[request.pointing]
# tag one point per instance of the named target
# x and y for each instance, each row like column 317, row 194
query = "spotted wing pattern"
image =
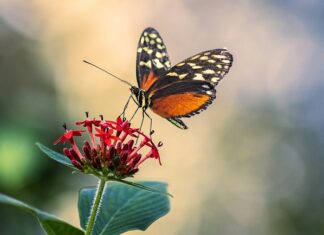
column 152, row 58
column 189, row 87
column 210, row 66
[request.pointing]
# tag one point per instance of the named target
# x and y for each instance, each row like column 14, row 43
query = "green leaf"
column 56, row 156
column 51, row 224
column 124, row 208
column 141, row 186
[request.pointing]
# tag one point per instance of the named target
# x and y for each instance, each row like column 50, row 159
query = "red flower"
column 154, row 153
column 89, row 123
column 116, row 156
column 68, row 136
column 106, row 136
column 122, row 126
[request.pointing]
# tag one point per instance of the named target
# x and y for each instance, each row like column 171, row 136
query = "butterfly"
column 180, row 91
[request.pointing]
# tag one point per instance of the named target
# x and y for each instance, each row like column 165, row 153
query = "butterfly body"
column 179, row 91
column 143, row 100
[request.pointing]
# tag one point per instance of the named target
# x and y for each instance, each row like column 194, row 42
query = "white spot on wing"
column 158, row 63
column 219, row 56
column 172, row 74
column 146, row 64
column 149, row 51
column 215, row 79
column 198, row 76
column 182, row 76
column 208, row 71
column 195, row 57
column 159, row 46
column 153, row 35
column 158, row 55
column 204, row 58
column 196, row 67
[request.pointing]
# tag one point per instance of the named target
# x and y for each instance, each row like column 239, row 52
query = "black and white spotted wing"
column 152, row 56
column 209, row 66
column 189, row 86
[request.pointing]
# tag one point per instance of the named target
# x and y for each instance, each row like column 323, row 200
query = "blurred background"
column 255, row 164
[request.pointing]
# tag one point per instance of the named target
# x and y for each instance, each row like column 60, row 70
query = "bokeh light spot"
column 17, row 159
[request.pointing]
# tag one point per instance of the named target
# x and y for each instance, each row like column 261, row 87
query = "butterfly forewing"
column 152, row 58
column 210, row 66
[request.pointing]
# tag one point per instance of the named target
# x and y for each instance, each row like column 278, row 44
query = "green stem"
column 95, row 206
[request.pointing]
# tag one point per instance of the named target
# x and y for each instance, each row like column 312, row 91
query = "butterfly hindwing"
column 152, row 58
column 189, row 86
column 178, row 123
column 182, row 98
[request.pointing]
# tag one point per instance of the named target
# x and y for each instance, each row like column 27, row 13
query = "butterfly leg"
column 125, row 107
column 135, row 101
column 142, row 121
column 138, row 106
column 151, row 123
column 134, row 113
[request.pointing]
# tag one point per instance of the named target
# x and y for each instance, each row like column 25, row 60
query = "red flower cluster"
column 115, row 154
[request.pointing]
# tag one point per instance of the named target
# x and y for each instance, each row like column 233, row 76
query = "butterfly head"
column 135, row 90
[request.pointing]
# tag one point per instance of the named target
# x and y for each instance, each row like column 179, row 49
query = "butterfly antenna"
column 96, row 66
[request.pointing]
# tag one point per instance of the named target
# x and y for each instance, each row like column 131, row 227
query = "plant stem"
column 95, row 206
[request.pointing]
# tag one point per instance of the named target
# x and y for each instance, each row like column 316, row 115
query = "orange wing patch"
column 178, row 105
column 148, row 81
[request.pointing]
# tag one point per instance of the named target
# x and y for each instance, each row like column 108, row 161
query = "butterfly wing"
column 182, row 99
column 177, row 122
column 189, row 86
column 152, row 58
column 210, row 66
